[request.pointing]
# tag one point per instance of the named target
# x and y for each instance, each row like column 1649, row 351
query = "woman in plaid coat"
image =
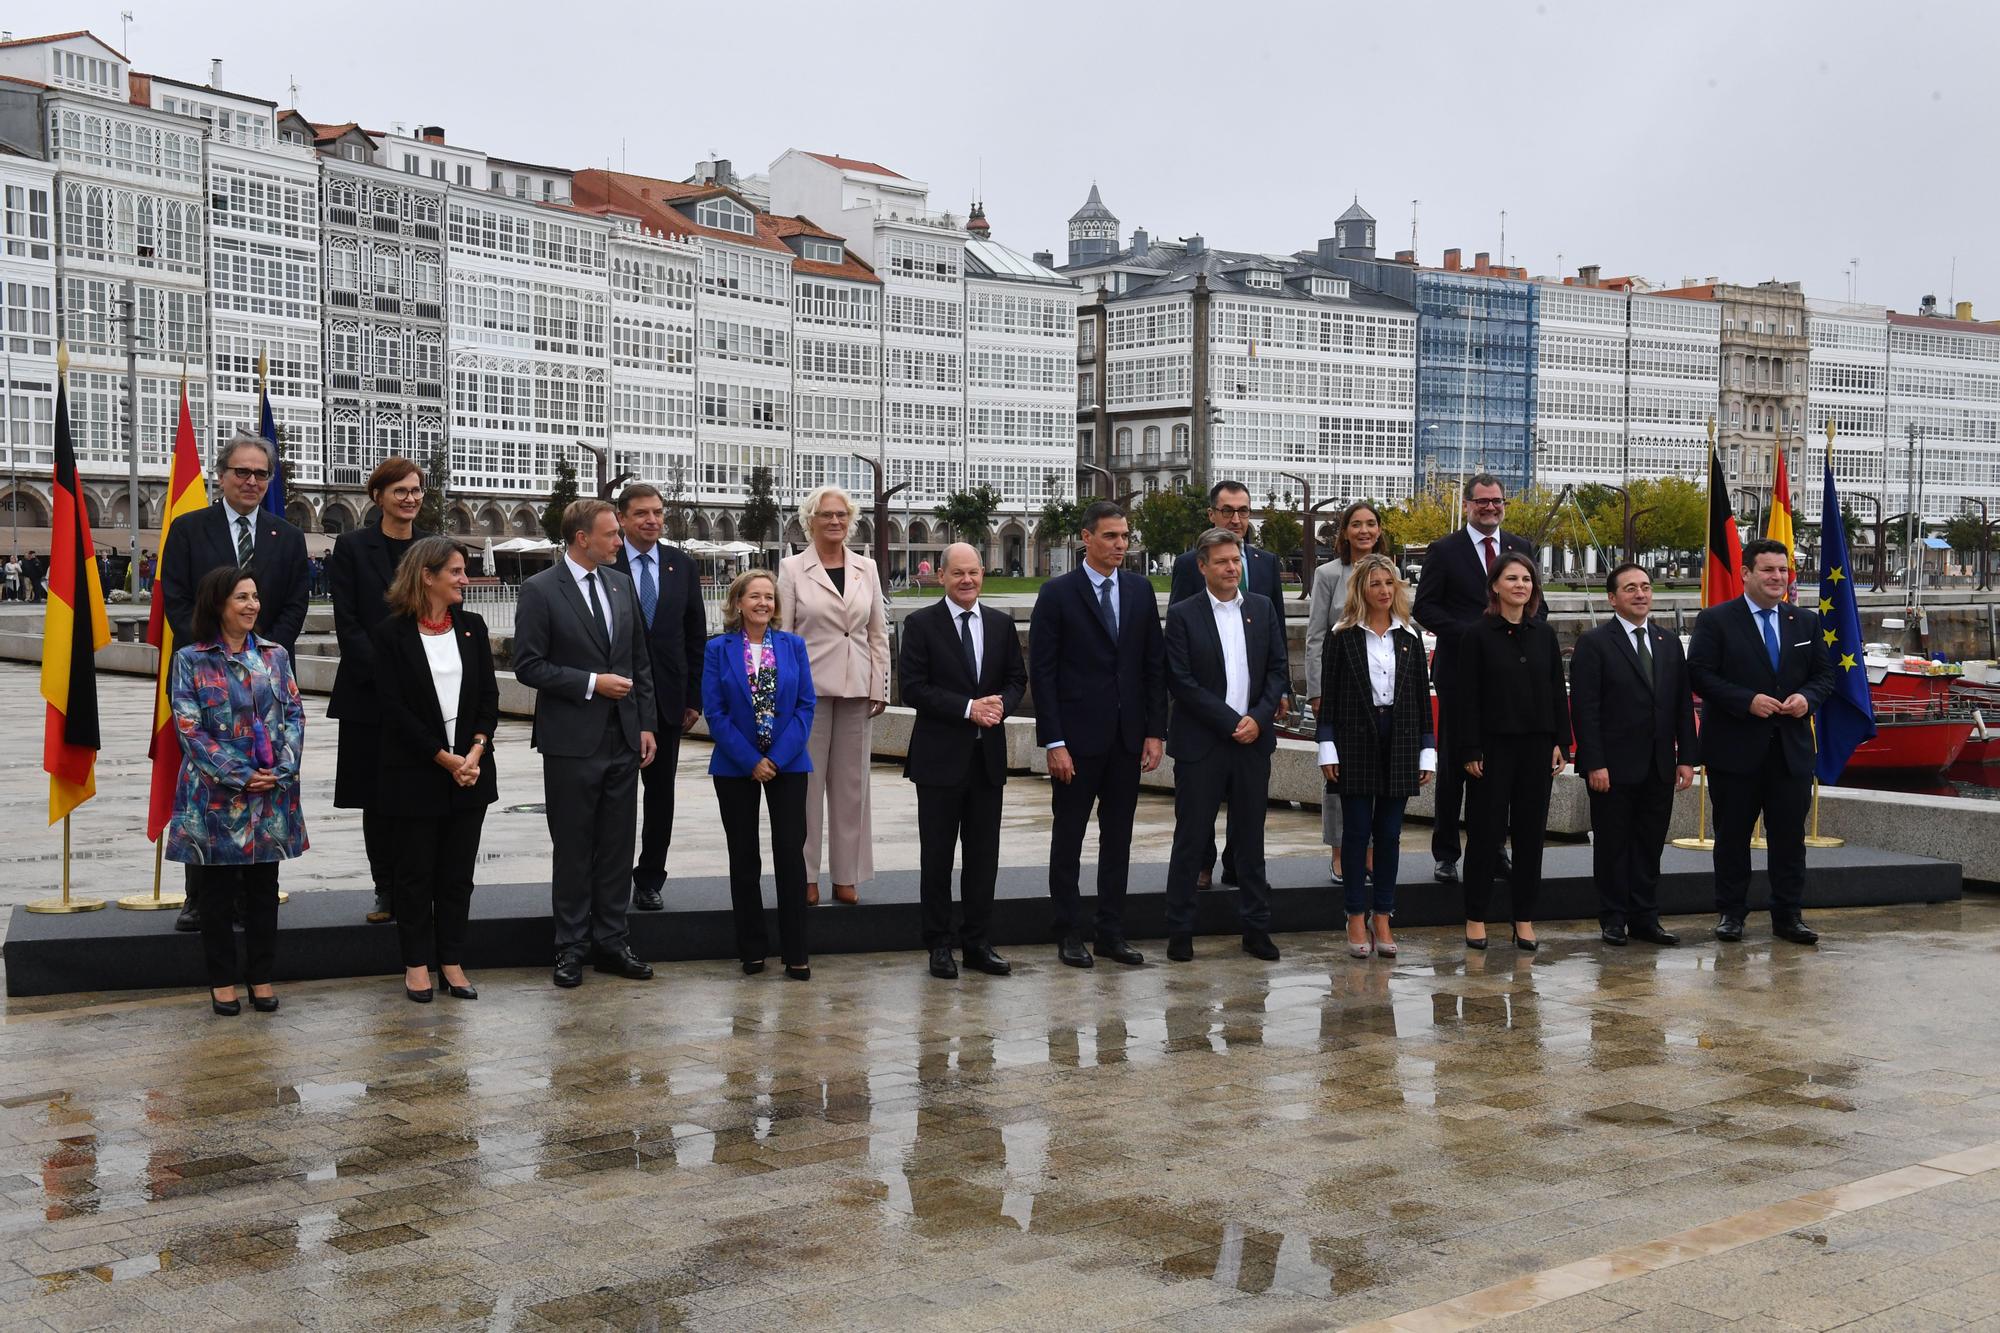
column 236, row 806
column 1377, row 743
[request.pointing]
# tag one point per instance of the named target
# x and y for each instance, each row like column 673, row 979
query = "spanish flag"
column 1779, row 526
column 73, row 629
column 1722, row 567
column 185, row 495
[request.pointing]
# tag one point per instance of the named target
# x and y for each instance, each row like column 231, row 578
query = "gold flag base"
column 56, row 905
column 1700, row 842
column 147, row 902
column 283, row 897
column 1693, row 844
column 1824, row 840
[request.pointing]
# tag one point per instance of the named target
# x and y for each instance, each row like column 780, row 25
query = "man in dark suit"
column 236, row 533
column 962, row 672
column 1227, row 673
column 669, row 589
column 579, row 643
column 1451, row 598
column 1095, row 660
column 1760, row 667
column 1229, row 510
column 1632, row 709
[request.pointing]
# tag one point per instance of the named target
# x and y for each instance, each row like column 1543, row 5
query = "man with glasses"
column 237, row 533
column 1229, row 510
column 1451, row 599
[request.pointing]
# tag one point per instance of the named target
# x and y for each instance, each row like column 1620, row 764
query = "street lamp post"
column 1881, row 527
column 882, row 498
column 1985, row 542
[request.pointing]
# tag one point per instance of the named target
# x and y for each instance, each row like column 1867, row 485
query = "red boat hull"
column 1915, row 746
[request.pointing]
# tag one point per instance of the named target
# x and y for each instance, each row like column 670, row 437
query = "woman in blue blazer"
column 757, row 694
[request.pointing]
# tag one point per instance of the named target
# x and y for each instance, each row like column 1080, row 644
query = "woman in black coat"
column 439, row 704
column 1509, row 728
column 359, row 571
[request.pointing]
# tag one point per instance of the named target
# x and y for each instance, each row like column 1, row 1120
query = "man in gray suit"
column 579, row 643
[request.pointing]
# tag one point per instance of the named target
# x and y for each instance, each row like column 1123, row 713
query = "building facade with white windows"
column 1847, row 384
column 27, row 336
column 1943, row 443
column 653, row 280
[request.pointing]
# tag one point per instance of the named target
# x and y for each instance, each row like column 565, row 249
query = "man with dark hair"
column 1760, row 667
column 1451, row 599
column 1633, row 713
column 237, row 533
column 1095, row 664
column 1226, row 671
column 669, row 589
column 579, row 644
column 1229, row 511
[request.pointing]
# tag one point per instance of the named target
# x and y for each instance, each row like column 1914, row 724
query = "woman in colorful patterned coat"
column 236, row 806
column 757, row 693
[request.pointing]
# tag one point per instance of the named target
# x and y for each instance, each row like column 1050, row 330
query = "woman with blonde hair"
column 1377, row 744
column 1358, row 533
column 757, row 694
column 835, row 604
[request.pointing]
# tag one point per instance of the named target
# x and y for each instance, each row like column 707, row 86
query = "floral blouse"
column 227, row 709
column 760, row 664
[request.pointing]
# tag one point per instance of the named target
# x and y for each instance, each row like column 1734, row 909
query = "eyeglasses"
column 837, row 515
column 250, row 473
column 1493, row 503
column 1231, row 511
column 408, row 492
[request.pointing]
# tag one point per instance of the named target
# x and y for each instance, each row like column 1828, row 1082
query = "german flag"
column 73, row 629
column 1722, row 567
column 185, row 495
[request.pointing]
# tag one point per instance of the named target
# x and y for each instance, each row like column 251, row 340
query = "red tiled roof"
column 1703, row 292
column 63, row 37
column 1988, row 327
column 855, row 164
column 654, row 202
column 26, row 83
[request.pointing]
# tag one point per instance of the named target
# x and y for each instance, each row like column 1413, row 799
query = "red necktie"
column 1487, row 542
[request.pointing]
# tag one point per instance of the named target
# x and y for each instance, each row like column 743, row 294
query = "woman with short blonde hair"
column 836, row 607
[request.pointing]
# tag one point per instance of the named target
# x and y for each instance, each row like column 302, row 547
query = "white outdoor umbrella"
column 486, row 559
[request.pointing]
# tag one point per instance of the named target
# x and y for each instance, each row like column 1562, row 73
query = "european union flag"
column 1847, row 718
column 267, row 426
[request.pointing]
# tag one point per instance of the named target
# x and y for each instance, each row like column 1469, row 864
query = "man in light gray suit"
column 579, row 643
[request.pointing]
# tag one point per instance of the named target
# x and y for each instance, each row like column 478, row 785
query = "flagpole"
column 1701, row 842
column 65, row 903
column 154, row 901
column 1816, row 838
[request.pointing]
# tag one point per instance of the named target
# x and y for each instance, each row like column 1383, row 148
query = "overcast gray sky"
column 1745, row 140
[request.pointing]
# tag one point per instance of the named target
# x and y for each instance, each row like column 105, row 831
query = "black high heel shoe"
column 1479, row 944
column 1525, row 946
column 225, row 1008
column 423, row 996
column 264, row 1004
column 752, row 966
column 798, row 973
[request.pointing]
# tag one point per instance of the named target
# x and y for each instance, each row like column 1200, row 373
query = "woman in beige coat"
column 833, row 600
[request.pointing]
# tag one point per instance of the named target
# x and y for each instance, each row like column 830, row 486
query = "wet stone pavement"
column 1759, row 1134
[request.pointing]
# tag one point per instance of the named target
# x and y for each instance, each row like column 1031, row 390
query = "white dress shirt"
column 1632, row 630
column 577, row 573
column 1382, row 688
column 954, row 610
column 1235, row 656
column 447, row 672
column 236, row 532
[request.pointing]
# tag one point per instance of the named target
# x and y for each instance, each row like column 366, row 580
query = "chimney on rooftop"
column 1963, row 310
column 1140, row 240
column 1927, row 306
column 215, row 73
column 1451, row 260
column 431, row 134
column 1195, row 244
column 1587, row 275
column 1482, row 261
column 1046, row 258
column 725, row 171
column 1406, row 256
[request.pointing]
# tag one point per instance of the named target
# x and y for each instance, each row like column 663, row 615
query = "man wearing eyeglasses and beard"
column 237, row 534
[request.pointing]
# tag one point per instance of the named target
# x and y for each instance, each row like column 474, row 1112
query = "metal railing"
column 496, row 603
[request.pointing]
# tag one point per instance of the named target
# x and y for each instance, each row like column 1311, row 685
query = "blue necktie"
column 1770, row 619
column 1108, row 604
column 649, row 595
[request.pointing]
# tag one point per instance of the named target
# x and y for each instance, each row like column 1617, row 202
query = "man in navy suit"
column 1760, row 667
column 237, row 532
column 1096, row 664
column 1633, row 713
column 961, row 670
column 669, row 589
column 1229, row 510
column 1226, row 671
column 1451, row 599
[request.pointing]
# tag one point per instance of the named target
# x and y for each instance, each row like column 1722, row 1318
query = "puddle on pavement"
column 139, row 1265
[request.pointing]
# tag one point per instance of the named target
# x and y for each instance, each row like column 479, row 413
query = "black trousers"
column 223, row 893
column 378, row 838
column 966, row 815
column 1240, row 775
column 1110, row 782
column 593, row 813
column 656, row 830
column 785, row 797
column 430, row 883
column 1512, row 799
column 1448, row 801
column 1628, row 827
column 1782, row 798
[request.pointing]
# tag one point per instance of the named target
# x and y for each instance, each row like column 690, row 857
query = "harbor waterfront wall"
column 1950, row 828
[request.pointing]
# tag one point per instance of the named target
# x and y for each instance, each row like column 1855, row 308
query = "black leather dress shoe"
column 647, row 900
column 1654, row 933
column 1258, row 944
column 1795, row 930
column 942, row 966
column 1072, row 952
column 1613, row 935
column 189, row 918
column 1446, row 872
column 981, row 958
column 569, row 970
column 624, row 963
column 1118, row 951
column 1204, row 880
column 1729, row 929
column 1180, row 948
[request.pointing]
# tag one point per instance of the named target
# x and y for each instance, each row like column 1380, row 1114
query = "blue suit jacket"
column 1261, row 575
column 1090, row 693
column 732, row 721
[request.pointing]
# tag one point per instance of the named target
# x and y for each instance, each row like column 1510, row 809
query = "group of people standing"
column 612, row 637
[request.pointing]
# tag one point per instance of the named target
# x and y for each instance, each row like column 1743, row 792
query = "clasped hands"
column 987, row 712
column 464, row 768
column 1763, row 705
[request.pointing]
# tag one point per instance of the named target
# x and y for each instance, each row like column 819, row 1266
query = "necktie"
column 596, row 607
column 965, row 642
column 1770, row 619
column 244, row 543
column 1108, row 604
column 1645, row 654
column 1487, row 542
column 649, row 593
